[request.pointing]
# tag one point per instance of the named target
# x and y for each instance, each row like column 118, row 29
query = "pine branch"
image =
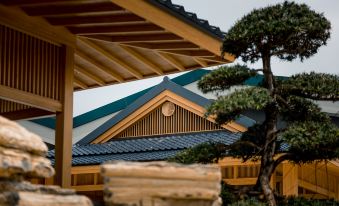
column 225, row 77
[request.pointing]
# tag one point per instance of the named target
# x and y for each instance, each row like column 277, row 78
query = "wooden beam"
column 105, row 18
column 26, row 114
column 80, row 84
column 171, row 61
column 36, row 27
column 200, row 54
column 192, row 53
column 290, row 179
column 39, row 2
column 138, row 38
column 62, row 9
column 181, row 28
column 241, row 181
column 166, row 45
column 202, row 62
column 15, row 95
column 108, row 71
column 316, row 188
column 142, row 59
column 84, row 188
column 134, row 72
column 89, row 75
column 114, row 29
column 64, row 123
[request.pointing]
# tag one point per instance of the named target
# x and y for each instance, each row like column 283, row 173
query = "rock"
column 24, row 186
column 14, row 162
column 22, row 154
column 161, row 184
column 33, row 199
column 12, row 135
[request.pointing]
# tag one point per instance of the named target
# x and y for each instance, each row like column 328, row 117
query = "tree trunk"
column 271, row 111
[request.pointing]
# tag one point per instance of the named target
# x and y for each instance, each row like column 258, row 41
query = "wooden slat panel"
column 156, row 123
column 29, row 64
column 9, row 106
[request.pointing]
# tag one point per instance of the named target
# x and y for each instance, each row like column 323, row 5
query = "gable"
column 149, row 120
column 158, row 122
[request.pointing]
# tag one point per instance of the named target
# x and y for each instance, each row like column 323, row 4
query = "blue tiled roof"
column 145, row 148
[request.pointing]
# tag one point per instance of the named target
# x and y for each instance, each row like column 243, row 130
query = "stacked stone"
column 160, row 184
column 23, row 155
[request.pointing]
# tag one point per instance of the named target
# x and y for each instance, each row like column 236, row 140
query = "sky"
column 224, row 13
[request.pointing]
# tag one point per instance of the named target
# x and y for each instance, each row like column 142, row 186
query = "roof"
column 120, row 104
column 180, row 12
column 145, row 148
column 165, row 85
column 118, row 41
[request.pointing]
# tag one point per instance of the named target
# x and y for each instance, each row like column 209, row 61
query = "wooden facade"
column 319, row 180
column 48, row 49
column 315, row 180
column 182, row 120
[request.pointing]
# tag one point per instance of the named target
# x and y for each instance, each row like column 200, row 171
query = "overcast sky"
column 223, row 14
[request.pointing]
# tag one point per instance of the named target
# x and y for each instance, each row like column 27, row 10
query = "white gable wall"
column 48, row 135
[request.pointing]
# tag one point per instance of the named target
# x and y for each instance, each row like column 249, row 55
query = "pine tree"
column 287, row 31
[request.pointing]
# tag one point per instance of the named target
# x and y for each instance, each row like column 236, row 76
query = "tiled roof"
column 166, row 84
column 191, row 18
column 145, row 148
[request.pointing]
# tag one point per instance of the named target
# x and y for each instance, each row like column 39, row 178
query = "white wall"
column 48, row 135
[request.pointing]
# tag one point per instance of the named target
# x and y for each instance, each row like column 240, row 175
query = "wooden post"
column 273, row 181
column 290, row 179
column 64, row 123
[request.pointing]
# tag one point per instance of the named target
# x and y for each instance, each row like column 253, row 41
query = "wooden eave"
column 116, row 40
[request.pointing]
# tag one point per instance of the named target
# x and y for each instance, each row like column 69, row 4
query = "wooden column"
column 290, row 179
column 64, row 122
column 273, row 181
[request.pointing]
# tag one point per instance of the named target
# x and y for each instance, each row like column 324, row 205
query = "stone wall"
column 23, row 155
column 160, row 184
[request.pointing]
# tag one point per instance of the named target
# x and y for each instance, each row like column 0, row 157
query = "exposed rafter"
column 105, row 18
column 62, row 9
column 39, row 2
column 99, row 66
column 171, row 61
column 89, row 75
column 192, row 53
column 114, row 29
column 166, row 46
column 111, row 57
column 80, row 84
column 138, row 38
column 174, row 25
column 142, row 59
column 201, row 62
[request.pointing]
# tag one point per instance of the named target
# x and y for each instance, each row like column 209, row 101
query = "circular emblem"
column 168, row 109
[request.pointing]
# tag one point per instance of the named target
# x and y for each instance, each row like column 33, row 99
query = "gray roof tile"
column 145, row 148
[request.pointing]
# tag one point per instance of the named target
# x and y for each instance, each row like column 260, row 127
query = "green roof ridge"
column 120, row 104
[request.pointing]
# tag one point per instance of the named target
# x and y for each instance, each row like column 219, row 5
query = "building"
column 49, row 49
column 169, row 118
